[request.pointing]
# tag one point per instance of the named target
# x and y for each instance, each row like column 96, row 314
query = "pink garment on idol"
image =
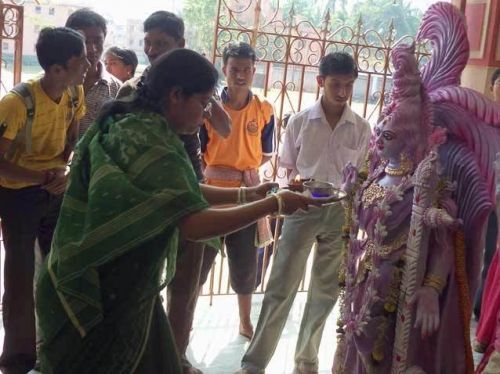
column 373, row 296
column 432, row 111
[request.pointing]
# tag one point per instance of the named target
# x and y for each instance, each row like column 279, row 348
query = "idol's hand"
column 349, row 177
column 426, row 302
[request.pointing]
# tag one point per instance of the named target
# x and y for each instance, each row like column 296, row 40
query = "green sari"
column 97, row 296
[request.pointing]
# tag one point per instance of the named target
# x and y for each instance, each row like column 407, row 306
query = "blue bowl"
column 319, row 189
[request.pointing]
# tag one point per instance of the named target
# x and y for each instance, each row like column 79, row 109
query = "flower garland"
column 354, row 322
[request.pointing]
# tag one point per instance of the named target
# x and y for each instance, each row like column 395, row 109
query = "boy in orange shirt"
column 234, row 162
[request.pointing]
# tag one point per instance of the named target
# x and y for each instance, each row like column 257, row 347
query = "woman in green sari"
column 132, row 195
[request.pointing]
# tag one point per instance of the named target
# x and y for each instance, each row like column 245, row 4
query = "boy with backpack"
column 38, row 130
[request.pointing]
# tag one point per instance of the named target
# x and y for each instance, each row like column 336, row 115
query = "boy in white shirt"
column 319, row 142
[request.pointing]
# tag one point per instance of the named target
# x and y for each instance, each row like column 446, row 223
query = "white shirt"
column 312, row 149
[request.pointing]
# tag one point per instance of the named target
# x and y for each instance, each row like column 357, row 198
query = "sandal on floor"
column 245, row 335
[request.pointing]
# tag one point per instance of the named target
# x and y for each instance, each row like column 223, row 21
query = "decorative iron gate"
column 11, row 38
column 11, row 19
column 289, row 50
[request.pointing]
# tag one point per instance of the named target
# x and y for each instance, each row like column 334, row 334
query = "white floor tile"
column 216, row 347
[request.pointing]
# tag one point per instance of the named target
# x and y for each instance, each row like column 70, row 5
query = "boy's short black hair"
column 238, row 50
column 86, row 18
column 166, row 22
column 495, row 76
column 128, row 56
column 338, row 63
column 56, row 45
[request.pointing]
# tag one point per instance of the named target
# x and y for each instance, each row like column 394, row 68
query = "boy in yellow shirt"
column 34, row 150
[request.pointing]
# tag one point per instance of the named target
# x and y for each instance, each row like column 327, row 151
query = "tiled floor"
column 216, row 347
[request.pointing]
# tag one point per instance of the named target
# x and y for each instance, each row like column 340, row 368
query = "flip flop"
column 246, row 335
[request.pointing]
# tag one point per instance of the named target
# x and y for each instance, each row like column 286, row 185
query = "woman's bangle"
column 279, row 200
column 242, row 196
column 434, row 282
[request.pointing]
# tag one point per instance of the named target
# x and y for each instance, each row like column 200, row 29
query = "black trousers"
column 27, row 214
column 194, row 262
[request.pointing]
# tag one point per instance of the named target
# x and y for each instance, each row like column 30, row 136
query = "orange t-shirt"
column 251, row 137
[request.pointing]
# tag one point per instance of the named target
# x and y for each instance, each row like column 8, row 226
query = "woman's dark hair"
column 179, row 68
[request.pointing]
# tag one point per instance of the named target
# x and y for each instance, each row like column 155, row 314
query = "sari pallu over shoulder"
column 130, row 183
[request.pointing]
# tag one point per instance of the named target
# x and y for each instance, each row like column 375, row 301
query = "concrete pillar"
column 483, row 29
